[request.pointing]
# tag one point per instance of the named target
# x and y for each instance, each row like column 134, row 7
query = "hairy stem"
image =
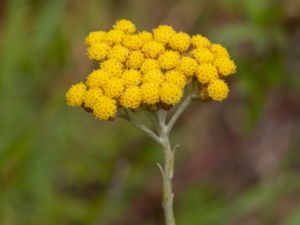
column 179, row 111
column 141, row 127
column 168, row 169
column 163, row 138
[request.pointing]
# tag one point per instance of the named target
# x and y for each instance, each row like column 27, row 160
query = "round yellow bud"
column 180, row 41
column 125, row 25
column 148, row 65
column 219, row 51
column 105, row 108
column 132, row 77
column 145, row 36
column 163, row 33
column 112, row 66
column 132, row 41
column 95, row 37
column 217, row 90
column 168, row 60
column 200, row 41
column 153, row 76
column 114, row 37
column 225, row 66
column 203, row 55
column 176, row 78
column 206, row 72
column 131, row 98
column 97, row 78
column 135, row 60
column 98, row 51
column 114, row 87
column 75, row 94
column 153, row 49
column 150, row 93
column 91, row 96
column 187, row 66
column 170, row 93
column 119, row 53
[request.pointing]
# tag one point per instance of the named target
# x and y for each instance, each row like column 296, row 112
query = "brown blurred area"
column 238, row 161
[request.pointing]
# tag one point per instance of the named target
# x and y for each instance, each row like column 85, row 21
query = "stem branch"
column 141, row 127
column 179, row 111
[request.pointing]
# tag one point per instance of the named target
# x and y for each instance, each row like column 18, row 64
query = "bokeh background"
column 239, row 160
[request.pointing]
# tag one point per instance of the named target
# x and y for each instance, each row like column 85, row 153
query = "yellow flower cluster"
column 149, row 70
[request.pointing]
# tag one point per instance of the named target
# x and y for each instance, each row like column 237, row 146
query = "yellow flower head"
column 187, row 66
column 98, row 51
column 180, row 41
column 132, row 41
column 225, row 66
column 153, row 76
column 219, row 51
column 105, row 108
column 119, row 53
column 206, row 72
column 112, row 66
column 176, row 78
column 135, row 60
column 95, row 37
column 148, row 65
column 170, row 93
column 75, row 94
column 97, row 78
column 153, row 49
column 203, row 55
column 91, row 97
column 163, row 33
column 168, row 60
column 200, row 41
column 114, row 37
column 131, row 98
column 114, row 87
column 132, row 77
column 150, row 93
column 217, row 90
column 149, row 69
column 145, row 36
column 125, row 25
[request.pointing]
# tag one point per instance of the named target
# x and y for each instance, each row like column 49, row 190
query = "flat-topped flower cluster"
column 149, row 70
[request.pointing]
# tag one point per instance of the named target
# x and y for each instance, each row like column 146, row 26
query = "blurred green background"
column 238, row 162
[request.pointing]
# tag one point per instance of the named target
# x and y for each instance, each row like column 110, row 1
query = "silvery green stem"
column 141, row 127
column 163, row 138
column 179, row 111
column 168, row 170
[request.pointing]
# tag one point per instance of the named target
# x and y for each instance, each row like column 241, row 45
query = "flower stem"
column 168, row 170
